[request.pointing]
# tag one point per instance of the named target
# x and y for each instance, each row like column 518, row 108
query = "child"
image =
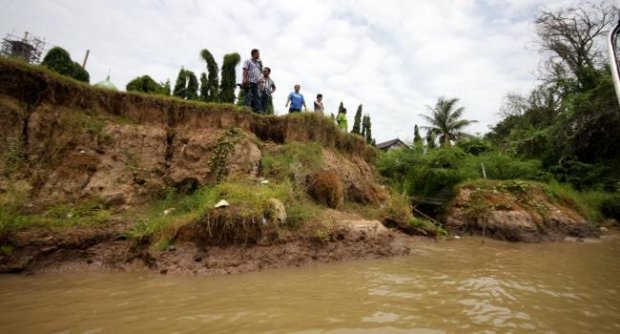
column 341, row 119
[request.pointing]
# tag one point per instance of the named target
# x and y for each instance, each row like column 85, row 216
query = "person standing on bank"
column 267, row 87
column 296, row 100
column 342, row 120
column 318, row 104
column 252, row 69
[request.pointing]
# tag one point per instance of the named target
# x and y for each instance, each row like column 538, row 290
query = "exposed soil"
column 526, row 214
column 97, row 249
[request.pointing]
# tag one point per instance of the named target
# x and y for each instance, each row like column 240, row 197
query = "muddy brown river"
column 462, row 286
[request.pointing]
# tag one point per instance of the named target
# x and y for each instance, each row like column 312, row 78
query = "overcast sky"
column 394, row 57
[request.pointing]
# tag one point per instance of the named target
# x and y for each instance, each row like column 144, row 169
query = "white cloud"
column 392, row 56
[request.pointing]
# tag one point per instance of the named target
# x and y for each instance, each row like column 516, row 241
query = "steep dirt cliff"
column 82, row 168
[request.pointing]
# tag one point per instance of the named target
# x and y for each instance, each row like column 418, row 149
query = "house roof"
column 387, row 144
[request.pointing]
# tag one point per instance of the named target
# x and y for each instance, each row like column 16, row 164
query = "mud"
column 106, row 249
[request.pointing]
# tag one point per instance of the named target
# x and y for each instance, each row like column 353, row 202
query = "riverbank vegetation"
column 563, row 134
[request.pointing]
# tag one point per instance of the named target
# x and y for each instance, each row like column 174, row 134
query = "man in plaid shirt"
column 252, row 69
column 266, row 88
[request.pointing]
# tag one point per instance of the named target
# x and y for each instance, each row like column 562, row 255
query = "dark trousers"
column 252, row 99
column 264, row 102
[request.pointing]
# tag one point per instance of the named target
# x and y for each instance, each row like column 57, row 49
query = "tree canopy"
column 445, row 120
column 58, row 60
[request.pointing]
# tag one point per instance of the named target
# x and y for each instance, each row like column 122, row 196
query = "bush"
column 58, row 60
column 145, row 84
column 500, row 166
column 610, row 207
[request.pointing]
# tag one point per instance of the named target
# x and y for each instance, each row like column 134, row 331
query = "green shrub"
column 146, row 84
column 58, row 60
column 610, row 207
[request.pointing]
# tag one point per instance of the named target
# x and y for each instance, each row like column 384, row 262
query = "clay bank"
column 94, row 179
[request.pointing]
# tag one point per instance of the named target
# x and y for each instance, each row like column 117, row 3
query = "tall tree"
column 180, row 87
column 357, row 121
column 166, row 90
column 417, row 139
column 367, row 129
column 430, row 139
column 211, row 91
column 204, row 87
column 445, row 120
column 228, row 83
column 569, row 35
column 192, row 86
column 241, row 98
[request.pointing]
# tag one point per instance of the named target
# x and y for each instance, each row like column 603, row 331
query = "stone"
column 278, row 211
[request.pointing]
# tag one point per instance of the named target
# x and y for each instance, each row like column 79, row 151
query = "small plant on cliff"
column 293, row 160
column 219, row 160
column 428, row 226
column 324, row 230
column 13, row 157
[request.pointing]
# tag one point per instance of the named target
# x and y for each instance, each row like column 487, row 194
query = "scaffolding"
column 28, row 48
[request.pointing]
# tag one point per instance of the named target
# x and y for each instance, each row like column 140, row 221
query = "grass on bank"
column 588, row 203
column 13, row 216
column 250, row 202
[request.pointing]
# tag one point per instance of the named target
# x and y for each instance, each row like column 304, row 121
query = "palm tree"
column 445, row 120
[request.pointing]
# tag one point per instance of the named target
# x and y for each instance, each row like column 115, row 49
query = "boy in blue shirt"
column 296, row 100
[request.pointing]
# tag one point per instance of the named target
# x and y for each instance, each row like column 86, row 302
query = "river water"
column 461, row 286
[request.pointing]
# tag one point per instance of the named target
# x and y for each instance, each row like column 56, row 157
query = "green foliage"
column 431, row 139
column 58, row 60
column 228, row 83
column 433, row 174
column 180, row 87
column 417, row 139
column 572, row 120
column 292, row 160
column 324, row 230
column 610, row 207
column 219, row 160
column 146, row 84
column 241, row 98
column 357, row 122
column 445, row 121
column 251, row 202
column 12, row 217
column 366, row 129
column 589, row 203
column 210, row 89
column 500, row 166
column 428, row 226
column 475, row 146
column 192, row 86
column 204, row 87
column 13, row 156
column 186, row 86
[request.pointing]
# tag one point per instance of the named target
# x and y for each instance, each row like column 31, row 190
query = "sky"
column 394, row 57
